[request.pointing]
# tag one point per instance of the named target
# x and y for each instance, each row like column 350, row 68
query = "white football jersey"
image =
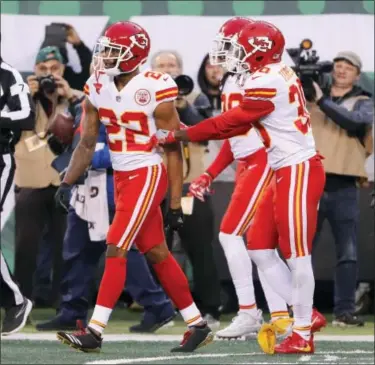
column 286, row 132
column 246, row 144
column 129, row 115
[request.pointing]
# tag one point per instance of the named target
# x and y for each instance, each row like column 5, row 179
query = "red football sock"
column 113, row 282
column 174, row 282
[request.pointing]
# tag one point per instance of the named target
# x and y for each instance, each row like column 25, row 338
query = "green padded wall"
column 123, row 9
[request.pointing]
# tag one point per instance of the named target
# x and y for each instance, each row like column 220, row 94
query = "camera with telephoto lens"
column 185, row 84
column 47, row 84
column 308, row 68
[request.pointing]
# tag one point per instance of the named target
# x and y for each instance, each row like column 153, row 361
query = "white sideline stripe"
column 166, row 338
column 200, row 356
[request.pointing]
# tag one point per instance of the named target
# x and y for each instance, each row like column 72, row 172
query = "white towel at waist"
column 91, row 204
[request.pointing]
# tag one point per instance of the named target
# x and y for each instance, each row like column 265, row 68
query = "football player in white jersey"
column 133, row 105
column 252, row 177
column 274, row 104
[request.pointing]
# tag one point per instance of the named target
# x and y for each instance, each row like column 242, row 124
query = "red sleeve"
column 231, row 123
column 223, row 159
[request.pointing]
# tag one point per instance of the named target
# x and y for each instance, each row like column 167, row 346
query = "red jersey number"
column 121, row 137
column 229, row 101
column 263, row 134
column 296, row 95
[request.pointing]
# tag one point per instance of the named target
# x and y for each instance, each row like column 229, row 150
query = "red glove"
column 201, row 186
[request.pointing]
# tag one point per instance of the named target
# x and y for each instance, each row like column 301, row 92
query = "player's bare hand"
column 318, row 91
column 201, row 186
column 33, row 83
column 63, row 87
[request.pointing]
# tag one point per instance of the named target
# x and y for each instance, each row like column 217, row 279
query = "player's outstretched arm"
column 232, row 123
column 85, row 149
column 167, row 118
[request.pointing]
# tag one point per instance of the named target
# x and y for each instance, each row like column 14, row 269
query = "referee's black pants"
column 35, row 214
column 10, row 293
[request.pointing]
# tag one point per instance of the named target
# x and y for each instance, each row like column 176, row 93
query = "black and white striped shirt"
column 17, row 110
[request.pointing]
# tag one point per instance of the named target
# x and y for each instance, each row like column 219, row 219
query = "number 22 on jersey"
column 125, row 132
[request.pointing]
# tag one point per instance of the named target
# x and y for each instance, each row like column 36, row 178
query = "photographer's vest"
column 343, row 155
column 33, row 154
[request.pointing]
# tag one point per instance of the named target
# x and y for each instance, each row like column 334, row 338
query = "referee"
column 17, row 113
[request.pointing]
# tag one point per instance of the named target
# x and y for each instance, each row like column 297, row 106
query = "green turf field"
column 333, row 346
column 157, row 352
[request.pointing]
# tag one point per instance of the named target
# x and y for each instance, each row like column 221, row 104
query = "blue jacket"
column 100, row 160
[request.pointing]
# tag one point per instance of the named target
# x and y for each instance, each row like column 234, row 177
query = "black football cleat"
column 16, row 317
column 194, row 338
column 84, row 340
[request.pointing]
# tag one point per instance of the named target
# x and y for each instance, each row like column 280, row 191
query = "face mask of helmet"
column 108, row 56
column 219, row 51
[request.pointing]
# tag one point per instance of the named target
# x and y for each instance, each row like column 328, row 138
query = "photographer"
column 36, row 181
column 342, row 118
column 197, row 232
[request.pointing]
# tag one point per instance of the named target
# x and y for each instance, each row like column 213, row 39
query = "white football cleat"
column 243, row 325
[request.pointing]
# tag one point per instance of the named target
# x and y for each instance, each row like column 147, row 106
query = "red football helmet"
column 256, row 46
column 124, row 47
column 222, row 40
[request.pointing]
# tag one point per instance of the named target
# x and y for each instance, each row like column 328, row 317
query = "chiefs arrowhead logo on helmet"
column 258, row 44
column 261, row 44
column 140, row 40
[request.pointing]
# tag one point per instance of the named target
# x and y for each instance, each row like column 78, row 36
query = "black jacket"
column 78, row 80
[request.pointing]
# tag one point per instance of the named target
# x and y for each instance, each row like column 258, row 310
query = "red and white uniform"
column 139, row 176
column 253, row 172
column 275, row 105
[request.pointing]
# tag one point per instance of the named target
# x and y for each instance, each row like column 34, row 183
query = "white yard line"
column 327, row 359
column 167, row 338
column 163, row 358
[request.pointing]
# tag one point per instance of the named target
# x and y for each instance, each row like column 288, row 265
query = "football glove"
column 62, row 197
column 201, row 186
column 175, row 219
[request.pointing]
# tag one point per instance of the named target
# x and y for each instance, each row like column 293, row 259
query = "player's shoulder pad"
column 262, row 84
column 161, row 85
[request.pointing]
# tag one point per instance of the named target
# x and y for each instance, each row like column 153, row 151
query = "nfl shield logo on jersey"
column 142, row 97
